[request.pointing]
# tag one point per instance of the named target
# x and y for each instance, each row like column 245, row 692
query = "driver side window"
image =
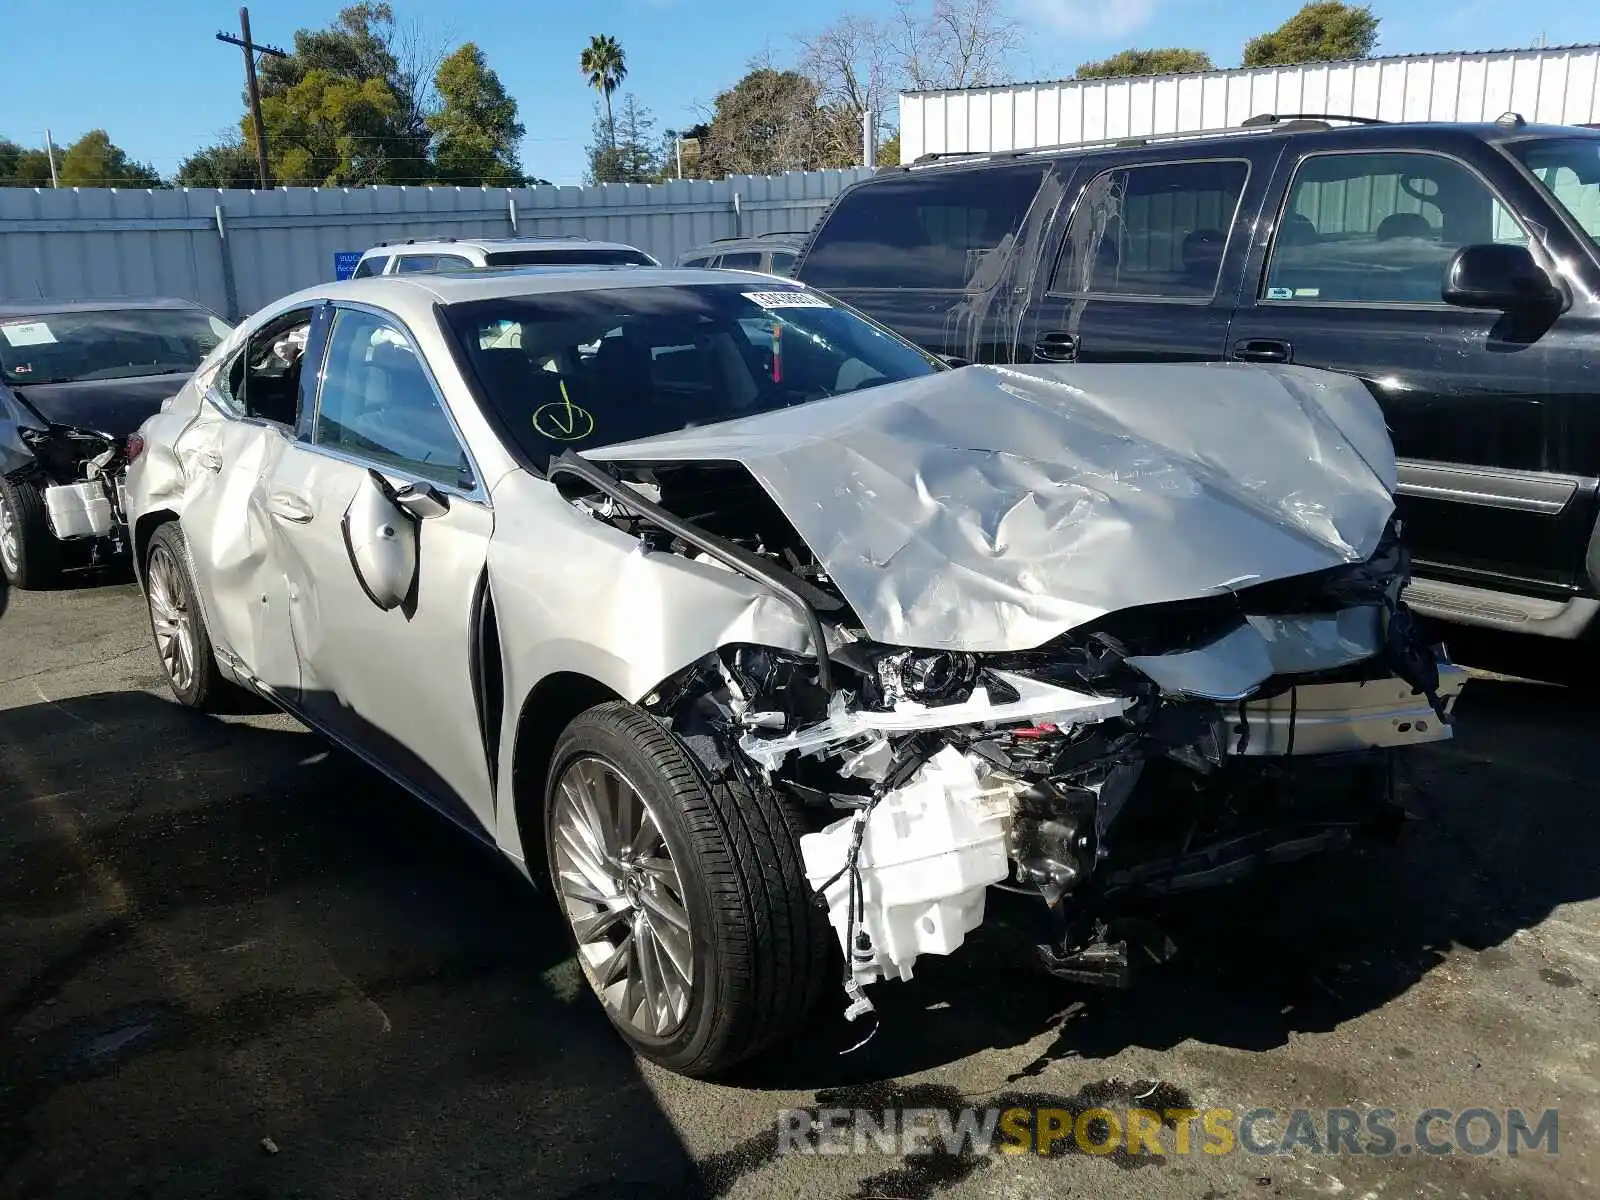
column 263, row 379
column 378, row 404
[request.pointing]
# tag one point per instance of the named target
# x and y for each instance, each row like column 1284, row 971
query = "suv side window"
column 744, row 260
column 263, row 379
column 410, row 264
column 371, row 266
column 931, row 230
column 378, row 404
column 452, row 262
column 1379, row 228
column 1151, row 231
column 782, row 262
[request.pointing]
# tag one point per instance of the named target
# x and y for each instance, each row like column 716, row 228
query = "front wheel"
column 685, row 897
column 29, row 552
column 182, row 643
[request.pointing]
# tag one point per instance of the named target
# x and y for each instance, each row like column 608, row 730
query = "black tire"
column 761, row 950
column 36, row 560
column 200, row 687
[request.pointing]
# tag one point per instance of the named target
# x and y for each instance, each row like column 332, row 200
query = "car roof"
column 493, row 245
column 1383, row 134
column 407, row 292
column 29, row 308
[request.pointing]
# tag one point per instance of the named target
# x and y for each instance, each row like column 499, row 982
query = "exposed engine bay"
column 81, row 473
column 1149, row 751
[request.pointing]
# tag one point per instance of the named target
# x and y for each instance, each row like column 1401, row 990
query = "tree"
column 773, row 121
column 603, row 62
column 1171, row 61
column 228, row 164
column 1325, row 32
column 853, row 65
column 24, row 167
column 330, row 131
column 95, row 161
column 889, row 151
column 475, row 129
column 955, row 43
column 363, row 46
column 636, row 157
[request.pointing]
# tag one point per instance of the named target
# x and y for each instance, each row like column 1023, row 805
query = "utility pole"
column 251, row 49
column 50, row 153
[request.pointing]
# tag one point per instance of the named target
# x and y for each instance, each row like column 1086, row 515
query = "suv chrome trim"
column 1491, row 487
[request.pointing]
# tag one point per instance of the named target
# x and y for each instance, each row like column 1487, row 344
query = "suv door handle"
column 290, row 507
column 1267, row 350
column 1055, row 346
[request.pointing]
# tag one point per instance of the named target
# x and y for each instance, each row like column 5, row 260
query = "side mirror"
column 422, row 500
column 1502, row 277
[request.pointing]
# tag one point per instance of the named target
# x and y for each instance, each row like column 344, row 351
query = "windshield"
column 118, row 343
column 581, row 369
column 1569, row 169
column 608, row 257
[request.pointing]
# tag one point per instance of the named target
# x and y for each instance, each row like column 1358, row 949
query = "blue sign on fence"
column 344, row 263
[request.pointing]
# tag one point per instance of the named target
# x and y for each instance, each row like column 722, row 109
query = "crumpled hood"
column 994, row 508
column 112, row 406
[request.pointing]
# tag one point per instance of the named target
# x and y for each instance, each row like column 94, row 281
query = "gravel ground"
column 237, row 964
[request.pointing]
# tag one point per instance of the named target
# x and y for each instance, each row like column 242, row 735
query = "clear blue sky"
column 153, row 76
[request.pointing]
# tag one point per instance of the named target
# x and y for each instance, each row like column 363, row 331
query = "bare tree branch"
column 954, row 43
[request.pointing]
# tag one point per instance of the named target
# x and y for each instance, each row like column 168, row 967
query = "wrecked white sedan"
column 749, row 618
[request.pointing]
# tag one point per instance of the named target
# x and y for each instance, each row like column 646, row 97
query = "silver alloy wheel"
column 170, row 618
column 10, row 547
column 622, row 896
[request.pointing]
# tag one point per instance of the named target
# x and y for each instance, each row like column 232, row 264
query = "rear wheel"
column 29, row 553
column 685, row 897
column 182, row 643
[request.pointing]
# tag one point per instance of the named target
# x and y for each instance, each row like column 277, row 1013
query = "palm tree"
column 603, row 63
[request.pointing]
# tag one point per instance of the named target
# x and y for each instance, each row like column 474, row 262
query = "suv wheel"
column 685, row 898
column 182, row 643
column 29, row 553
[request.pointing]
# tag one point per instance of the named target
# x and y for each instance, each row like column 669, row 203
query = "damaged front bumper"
column 1086, row 773
column 83, row 481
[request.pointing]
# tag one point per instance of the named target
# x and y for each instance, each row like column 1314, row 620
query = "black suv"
column 1454, row 268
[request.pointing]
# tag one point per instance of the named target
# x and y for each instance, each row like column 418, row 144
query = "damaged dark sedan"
column 772, row 642
column 76, row 380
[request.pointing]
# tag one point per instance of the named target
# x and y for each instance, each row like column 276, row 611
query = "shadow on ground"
column 238, row 964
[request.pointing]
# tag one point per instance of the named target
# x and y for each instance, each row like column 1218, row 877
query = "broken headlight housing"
column 931, row 677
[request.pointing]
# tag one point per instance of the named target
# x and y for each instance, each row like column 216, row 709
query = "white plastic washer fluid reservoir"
column 929, row 852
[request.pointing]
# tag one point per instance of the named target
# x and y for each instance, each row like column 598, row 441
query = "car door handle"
column 1056, row 346
column 210, row 460
column 1267, row 350
column 290, row 507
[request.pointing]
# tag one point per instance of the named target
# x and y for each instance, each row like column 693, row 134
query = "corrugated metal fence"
column 1560, row 85
column 238, row 250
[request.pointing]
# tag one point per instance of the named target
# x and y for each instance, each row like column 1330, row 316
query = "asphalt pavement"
column 238, row 964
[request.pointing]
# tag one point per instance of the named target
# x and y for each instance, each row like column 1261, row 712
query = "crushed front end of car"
column 1095, row 634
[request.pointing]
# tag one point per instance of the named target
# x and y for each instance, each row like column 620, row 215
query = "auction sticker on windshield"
column 785, row 300
column 28, row 333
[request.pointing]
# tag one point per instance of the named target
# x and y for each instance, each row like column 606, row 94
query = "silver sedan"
column 777, row 640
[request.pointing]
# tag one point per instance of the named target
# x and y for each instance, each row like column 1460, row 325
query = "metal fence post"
column 229, row 289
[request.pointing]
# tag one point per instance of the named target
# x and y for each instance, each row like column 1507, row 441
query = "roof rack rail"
column 1512, row 120
column 1262, row 120
column 1261, row 123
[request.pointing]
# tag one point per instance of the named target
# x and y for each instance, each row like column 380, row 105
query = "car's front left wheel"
column 182, row 642
column 685, row 895
column 29, row 553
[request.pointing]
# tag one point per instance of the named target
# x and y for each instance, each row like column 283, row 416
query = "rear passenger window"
column 412, row 263
column 1380, row 228
column 370, row 266
column 782, row 262
column 923, row 230
column 742, row 261
column 1151, row 231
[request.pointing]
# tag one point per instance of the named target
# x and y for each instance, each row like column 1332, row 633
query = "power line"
column 251, row 49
